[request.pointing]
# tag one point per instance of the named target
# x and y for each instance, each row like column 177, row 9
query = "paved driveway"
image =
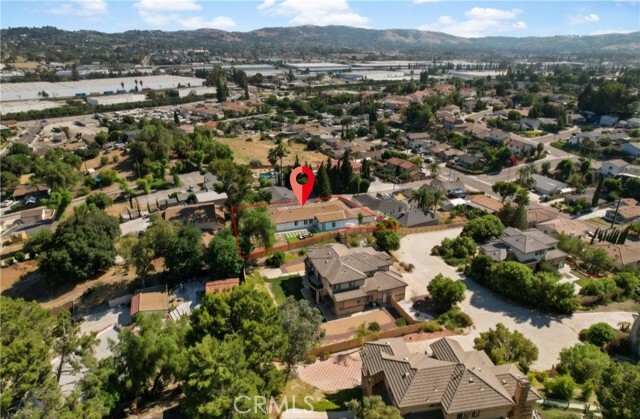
column 549, row 333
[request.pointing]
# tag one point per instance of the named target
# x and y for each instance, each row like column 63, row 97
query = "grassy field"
column 548, row 412
column 321, row 401
column 245, row 151
column 285, row 286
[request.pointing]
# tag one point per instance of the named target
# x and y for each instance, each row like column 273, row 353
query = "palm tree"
column 122, row 84
column 358, row 180
column 434, row 169
column 422, row 197
column 362, row 331
column 141, row 84
column 437, row 197
column 278, row 152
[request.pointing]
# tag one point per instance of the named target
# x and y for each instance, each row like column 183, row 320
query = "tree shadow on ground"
column 485, row 299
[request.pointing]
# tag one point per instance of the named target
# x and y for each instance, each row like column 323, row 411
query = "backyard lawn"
column 297, row 389
column 285, row 286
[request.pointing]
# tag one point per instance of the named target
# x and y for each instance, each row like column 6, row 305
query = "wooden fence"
column 401, row 311
column 428, row 229
column 357, row 342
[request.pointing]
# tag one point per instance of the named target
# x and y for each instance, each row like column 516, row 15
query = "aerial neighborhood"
column 470, row 246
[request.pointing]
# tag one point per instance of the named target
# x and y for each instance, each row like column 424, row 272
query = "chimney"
column 523, row 385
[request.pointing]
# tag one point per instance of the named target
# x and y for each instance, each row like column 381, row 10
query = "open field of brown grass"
column 245, row 151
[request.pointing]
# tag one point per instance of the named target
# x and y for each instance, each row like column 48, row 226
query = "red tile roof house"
column 221, row 286
column 445, row 381
column 400, row 166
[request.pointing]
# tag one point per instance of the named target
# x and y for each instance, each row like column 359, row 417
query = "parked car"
column 7, row 203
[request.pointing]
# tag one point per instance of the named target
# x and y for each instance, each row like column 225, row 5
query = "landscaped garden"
column 286, row 286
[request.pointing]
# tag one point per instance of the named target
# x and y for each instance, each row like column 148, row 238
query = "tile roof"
column 407, row 165
column 349, row 295
column 417, row 218
column 527, row 241
column 318, row 210
column 566, row 226
column 622, row 254
column 487, row 202
column 338, row 264
column 149, row 301
column 222, row 285
column 458, row 380
column 540, row 215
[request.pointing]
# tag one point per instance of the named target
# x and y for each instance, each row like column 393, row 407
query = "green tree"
column 629, row 282
column 562, row 387
column 250, row 315
column 418, row 116
column 101, row 200
column 505, row 189
column 59, row 201
column 504, row 346
column 565, row 167
column 256, row 224
column 422, row 198
column 483, row 228
column 234, row 180
column 323, row 184
column 36, row 242
column 570, row 244
column 151, row 358
column 222, row 255
column 301, row 326
column 545, row 168
column 599, row 334
column 25, row 364
column 216, row 373
column 386, row 239
column 596, row 193
column 82, row 247
column 184, row 252
column 618, row 391
column 583, row 362
column 446, row 291
column 373, row 407
column 597, row 260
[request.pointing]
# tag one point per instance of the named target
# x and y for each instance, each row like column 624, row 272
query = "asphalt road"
column 550, row 333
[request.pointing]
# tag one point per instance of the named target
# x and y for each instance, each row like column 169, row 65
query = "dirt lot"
column 23, row 281
column 244, row 151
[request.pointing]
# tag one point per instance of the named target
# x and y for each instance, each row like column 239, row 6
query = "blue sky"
column 462, row 18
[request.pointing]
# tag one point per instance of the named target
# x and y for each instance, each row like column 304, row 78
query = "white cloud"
column 220, row 22
column 425, row 1
column 315, row 12
column 581, row 19
column 613, row 30
column 156, row 6
column 266, row 4
column 81, row 8
column 165, row 12
column 480, row 22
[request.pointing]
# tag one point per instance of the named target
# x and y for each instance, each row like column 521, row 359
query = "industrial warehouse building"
column 82, row 88
column 26, row 105
column 115, row 99
column 196, row 91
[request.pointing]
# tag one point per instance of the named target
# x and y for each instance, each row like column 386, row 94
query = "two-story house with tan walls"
column 351, row 279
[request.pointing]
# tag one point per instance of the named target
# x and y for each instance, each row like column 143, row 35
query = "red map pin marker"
column 302, row 191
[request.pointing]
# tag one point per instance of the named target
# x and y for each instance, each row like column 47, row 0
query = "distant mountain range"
column 302, row 42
